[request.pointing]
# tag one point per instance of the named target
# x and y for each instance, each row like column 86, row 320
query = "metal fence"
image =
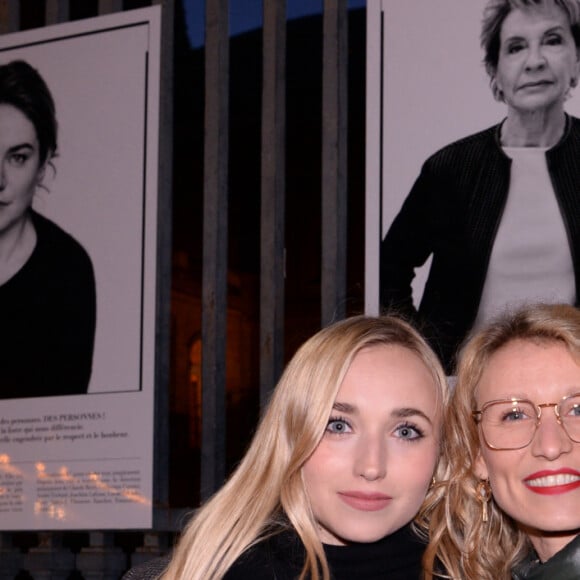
column 105, row 554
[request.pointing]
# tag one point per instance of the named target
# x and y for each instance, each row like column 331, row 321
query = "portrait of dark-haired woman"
column 47, row 283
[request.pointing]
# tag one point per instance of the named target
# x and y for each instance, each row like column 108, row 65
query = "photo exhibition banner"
column 426, row 87
column 79, row 125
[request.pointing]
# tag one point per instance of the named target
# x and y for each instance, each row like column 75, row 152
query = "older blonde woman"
column 337, row 470
column 509, row 505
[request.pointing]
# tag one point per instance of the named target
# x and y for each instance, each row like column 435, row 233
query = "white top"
column 531, row 259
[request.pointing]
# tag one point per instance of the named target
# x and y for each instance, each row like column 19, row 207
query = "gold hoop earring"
column 483, row 495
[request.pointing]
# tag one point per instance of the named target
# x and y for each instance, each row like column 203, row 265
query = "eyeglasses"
column 512, row 423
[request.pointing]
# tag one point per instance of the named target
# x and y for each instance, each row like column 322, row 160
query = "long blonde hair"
column 266, row 492
column 460, row 542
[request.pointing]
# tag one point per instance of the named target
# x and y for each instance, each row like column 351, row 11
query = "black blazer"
column 452, row 213
column 149, row 570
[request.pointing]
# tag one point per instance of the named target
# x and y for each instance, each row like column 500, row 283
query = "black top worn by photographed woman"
column 453, row 211
column 48, row 323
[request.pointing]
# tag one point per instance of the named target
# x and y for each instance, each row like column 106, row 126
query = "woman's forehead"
column 545, row 11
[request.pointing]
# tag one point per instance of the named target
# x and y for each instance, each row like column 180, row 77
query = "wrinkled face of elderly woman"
column 20, row 167
column 538, row 59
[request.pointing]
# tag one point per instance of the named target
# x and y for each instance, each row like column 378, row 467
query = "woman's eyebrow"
column 400, row 413
column 555, row 28
column 410, row 412
column 520, row 37
column 559, row 29
column 21, row 146
column 344, row 407
column 514, row 38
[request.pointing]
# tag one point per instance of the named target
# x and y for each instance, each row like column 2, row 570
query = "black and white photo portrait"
column 79, row 271
column 47, row 283
column 479, row 173
column 77, row 248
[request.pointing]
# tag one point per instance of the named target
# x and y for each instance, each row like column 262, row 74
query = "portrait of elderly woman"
column 498, row 211
column 47, row 285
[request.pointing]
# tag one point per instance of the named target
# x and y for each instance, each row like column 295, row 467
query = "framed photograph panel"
column 84, row 460
column 426, row 87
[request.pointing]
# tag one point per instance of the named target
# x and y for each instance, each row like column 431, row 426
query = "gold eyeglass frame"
column 478, row 415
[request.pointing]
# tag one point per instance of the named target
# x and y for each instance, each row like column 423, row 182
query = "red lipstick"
column 553, row 482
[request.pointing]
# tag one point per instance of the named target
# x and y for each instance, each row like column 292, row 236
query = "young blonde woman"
column 509, row 503
column 337, row 470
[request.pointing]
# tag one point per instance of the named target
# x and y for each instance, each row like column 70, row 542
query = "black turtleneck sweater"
column 281, row 557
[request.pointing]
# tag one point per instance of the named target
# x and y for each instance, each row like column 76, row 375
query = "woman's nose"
column 371, row 458
column 551, row 439
column 535, row 58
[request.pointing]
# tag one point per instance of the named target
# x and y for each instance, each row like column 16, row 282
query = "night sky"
column 247, row 15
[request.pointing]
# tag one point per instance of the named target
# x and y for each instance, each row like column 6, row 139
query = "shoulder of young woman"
column 150, row 570
column 280, row 556
column 58, row 250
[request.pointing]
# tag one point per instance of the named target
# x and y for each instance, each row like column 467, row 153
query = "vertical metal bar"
column 9, row 16
column 273, row 196
column 10, row 557
column 57, row 11
column 164, row 213
column 373, row 153
column 215, row 223
column 334, row 160
column 110, row 6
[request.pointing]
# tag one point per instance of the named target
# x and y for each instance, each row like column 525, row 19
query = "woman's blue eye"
column 338, row 426
column 409, row 432
column 515, row 415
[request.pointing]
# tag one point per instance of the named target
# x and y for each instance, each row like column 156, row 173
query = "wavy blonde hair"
column 460, row 542
column 266, row 492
